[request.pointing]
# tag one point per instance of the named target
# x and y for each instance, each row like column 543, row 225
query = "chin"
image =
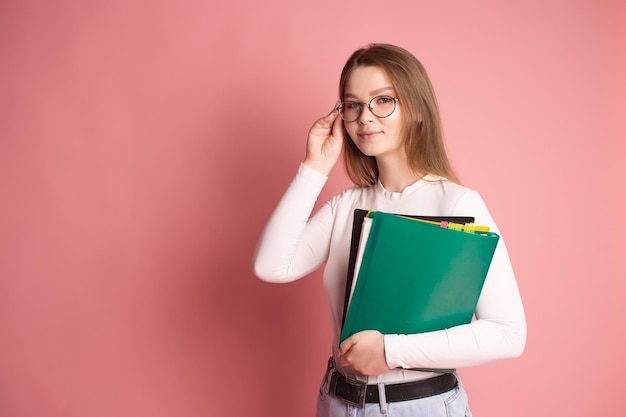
column 367, row 150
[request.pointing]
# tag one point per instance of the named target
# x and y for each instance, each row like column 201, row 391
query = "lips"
column 367, row 134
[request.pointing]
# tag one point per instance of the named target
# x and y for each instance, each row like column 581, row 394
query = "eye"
column 384, row 100
column 351, row 105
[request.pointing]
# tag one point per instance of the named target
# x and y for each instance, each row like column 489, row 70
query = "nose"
column 366, row 115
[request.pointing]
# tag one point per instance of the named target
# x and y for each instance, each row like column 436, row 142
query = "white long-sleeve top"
column 294, row 243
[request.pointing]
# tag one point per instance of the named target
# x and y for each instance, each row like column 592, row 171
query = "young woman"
column 388, row 125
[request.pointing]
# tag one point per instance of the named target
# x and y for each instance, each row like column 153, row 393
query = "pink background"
column 144, row 143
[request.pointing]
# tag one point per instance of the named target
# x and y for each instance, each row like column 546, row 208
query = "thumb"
column 346, row 345
column 337, row 129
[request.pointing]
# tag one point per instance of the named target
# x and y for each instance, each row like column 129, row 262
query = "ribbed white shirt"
column 294, row 243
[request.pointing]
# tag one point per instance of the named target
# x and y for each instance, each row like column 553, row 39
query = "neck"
column 396, row 176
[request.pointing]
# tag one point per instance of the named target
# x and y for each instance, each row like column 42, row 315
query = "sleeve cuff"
column 311, row 175
column 390, row 356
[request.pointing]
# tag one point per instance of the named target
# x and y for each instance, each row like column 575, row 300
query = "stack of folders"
column 412, row 276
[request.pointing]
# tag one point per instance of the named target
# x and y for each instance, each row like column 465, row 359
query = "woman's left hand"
column 364, row 352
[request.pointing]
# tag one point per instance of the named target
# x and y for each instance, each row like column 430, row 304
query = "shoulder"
column 469, row 202
column 342, row 205
column 354, row 193
column 458, row 200
column 450, row 196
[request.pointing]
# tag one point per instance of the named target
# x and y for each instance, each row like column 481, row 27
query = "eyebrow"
column 372, row 93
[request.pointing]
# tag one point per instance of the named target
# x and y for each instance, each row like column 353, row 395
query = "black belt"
column 358, row 392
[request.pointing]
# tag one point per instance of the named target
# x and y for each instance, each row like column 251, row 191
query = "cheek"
column 350, row 138
column 394, row 126
column 395, row 119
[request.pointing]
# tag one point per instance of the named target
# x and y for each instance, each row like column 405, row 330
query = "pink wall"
column 144, row 143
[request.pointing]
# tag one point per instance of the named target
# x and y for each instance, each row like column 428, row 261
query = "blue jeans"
column 449, row 404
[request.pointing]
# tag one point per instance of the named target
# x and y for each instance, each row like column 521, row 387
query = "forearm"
column 468, row 345
column 499, row 332
column 282, row 253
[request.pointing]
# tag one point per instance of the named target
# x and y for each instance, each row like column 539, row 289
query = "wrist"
column 321, row 167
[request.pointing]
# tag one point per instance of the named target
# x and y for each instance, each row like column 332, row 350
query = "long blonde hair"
column 422, row 130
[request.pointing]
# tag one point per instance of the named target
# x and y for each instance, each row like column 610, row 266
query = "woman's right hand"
column 324, row 143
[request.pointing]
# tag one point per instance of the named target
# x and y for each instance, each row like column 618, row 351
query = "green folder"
column 417, row 277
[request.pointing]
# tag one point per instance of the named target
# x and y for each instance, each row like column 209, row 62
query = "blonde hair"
column 422, row 130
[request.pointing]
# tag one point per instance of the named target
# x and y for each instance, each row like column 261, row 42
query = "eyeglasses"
column 380, row 106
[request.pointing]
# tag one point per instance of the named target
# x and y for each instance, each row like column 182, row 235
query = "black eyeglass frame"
column 341, row 106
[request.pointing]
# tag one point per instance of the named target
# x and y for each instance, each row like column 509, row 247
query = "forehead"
column 367, row 81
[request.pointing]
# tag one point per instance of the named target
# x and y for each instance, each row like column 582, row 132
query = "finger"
column 330, row 119
column 332, row 116
column 346, row 345
column 343, row 361
column 324, row 124
column 337, row 129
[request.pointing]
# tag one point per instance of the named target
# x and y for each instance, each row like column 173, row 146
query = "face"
column 375, row 136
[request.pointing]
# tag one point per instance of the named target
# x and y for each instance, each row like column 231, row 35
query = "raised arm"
column 291, row 245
